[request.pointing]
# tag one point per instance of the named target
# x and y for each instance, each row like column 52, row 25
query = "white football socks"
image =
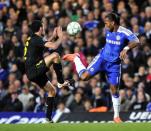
column 79, row 65
column 116, row 106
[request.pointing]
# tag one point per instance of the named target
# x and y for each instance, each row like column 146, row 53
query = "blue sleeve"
column 131, row 36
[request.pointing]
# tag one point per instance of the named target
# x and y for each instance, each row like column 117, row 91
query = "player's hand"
column 123, row 54
column 54, row 34
column 59, row 32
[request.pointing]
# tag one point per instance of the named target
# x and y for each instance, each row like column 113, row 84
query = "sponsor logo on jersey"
column 113, row 42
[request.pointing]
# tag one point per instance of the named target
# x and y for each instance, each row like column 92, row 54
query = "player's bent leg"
column 54, row 59
column 116, row 103
column 113, row 89
column 50, row 100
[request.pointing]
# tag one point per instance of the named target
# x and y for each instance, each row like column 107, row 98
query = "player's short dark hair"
column 35, row 26
column 113, row 17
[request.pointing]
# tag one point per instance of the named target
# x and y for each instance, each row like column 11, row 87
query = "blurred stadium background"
column 23, row 102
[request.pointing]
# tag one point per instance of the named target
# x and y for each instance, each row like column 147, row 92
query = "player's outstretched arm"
column 131, row 45
column 55, row 45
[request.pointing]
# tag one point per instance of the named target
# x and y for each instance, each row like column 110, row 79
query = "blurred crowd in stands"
column 18, row 94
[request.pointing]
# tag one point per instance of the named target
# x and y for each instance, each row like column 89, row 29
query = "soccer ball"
column 73, row 28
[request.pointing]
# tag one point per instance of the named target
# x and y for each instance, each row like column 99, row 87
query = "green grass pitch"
column 77, row 127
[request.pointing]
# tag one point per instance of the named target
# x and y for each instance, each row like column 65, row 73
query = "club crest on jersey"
column 118, row 37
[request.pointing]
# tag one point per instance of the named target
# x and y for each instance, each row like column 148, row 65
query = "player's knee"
column 56, row 55
column 50, row 89
column 52, row 92
column 113, row 89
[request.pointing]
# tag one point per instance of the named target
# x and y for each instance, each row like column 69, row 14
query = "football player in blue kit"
column 109, row 58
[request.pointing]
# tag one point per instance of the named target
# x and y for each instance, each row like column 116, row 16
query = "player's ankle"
column 116, row 116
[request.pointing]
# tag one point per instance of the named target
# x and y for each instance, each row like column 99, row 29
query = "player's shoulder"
column 35, row 38
column 124, row 30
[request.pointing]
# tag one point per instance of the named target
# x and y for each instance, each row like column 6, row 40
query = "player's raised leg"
column 54, row 59
column 80, row 68
column 83, row 72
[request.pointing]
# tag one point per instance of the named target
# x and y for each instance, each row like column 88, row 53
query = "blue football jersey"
column 115, row 42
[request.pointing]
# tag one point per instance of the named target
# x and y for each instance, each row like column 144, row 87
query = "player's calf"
column 116, row 103
column 49, row 107
column 50, row 100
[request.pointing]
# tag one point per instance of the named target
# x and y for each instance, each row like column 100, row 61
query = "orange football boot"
column 117, row 120
column 70, row 57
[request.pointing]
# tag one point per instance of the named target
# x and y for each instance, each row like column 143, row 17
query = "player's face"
column 109, row 25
